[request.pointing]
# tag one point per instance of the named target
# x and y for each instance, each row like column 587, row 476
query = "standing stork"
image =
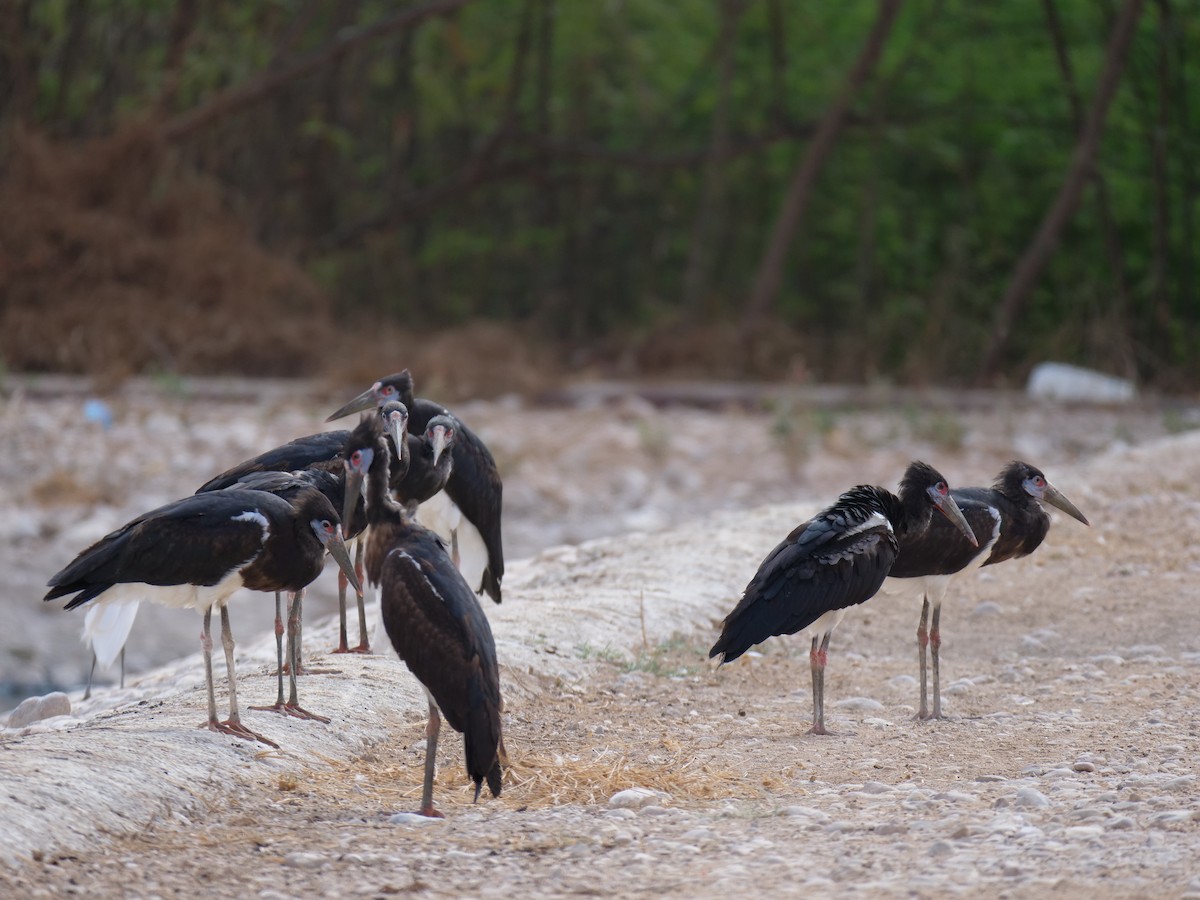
column 196, row 552
column 1008, row 522
column 835, row 560
column 314, row 450
column 436, row 626
column 474, row 489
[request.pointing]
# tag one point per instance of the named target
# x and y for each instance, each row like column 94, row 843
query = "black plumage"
column 196, row 552
column 835, row 560
column 436, row 625
column 1008, row 522
column 321, row 452
column 474, row 485
column 431, row 463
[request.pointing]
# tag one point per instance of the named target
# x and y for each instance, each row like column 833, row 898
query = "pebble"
column 1031, row 797
column 302, row 860
column 1121, row 823
column 875, row 787
column 805, row 812
column 863, row 703
column 409, row 818
column 635, row 798
column 1084, row 766
column 941, row 848
column 902, row 681
column 620, row 813
column 34, row 709
column 1084, row 832
column 1182, row 783
column 1171, row 817
column 987, row 608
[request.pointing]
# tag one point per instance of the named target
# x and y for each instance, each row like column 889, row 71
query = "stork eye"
column 942, row 488
column 388, row 390
column 1039, row 481
column 328, row 526
column 356, row 457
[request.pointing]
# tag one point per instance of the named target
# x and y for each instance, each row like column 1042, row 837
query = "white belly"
column 106, row 627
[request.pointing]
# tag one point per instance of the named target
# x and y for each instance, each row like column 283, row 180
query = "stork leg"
column 122, row 669
column 364, row 642
column 343, row 643
column 923, row 653
column 432, row 729
column 935, row 644
column 454, row 557
column 291, row 706
column 233, row 725
column 87, row 692
column 818, row 656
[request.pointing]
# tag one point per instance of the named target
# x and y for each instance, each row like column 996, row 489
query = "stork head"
column 440, row 433
column 394, row 387
column 924, row 481
column 323, row 521
column 395, row 423
column 1032, row 481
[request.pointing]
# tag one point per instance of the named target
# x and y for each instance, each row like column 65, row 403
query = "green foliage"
column 547, row 161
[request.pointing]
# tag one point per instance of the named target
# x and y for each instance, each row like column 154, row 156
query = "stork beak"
column 439, row 443
column 397, row 427
column 366, row 400
column 1054, row 497
column 337, row 549
column 945, row 503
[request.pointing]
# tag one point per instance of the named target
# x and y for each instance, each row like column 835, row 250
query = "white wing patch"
column 253, row 515
column 401, row 553
column 875, row 520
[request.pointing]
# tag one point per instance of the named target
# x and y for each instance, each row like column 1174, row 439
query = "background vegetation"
column 224, row 180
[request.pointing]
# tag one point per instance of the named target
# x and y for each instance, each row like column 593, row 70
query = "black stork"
column 474, row 487
column 436, row 626
column 196, row 552
column 315, row 450
column 835, row 560
column 431, row 463
column 1008, row 522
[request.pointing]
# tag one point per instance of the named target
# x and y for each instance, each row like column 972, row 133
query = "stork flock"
column 267, row 523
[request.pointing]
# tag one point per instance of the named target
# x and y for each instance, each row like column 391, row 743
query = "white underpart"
column 176, row 596
column 875, row 520
column 106, row 627
column 440, row 514
column 826, row 622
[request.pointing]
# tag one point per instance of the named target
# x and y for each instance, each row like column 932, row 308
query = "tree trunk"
column 698, row 271
column 1114, row 251
column 795, row 203
column 1031, row 265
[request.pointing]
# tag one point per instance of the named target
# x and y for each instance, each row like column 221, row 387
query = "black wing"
column 440, row 631
column 825, row 564
column 197, row 540
column 941, row 549
column 474, row 486
column 297, row 454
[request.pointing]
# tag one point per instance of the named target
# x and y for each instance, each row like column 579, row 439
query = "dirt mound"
column 114, row 259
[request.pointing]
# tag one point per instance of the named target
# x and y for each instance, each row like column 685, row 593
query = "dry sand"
column 1071, row 679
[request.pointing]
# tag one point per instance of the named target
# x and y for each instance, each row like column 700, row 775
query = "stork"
column 835, row 560
column 196, row 552
column 474, row 488
column 1008, row 522
column 435, row 624
column 303, row 453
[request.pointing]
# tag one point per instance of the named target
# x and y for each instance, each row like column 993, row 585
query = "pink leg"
column 935, row 644
column 923, row 645
column 818, row 656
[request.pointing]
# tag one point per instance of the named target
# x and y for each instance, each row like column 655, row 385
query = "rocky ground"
column 1072, row 678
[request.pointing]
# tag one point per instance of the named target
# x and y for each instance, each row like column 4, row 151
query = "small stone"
column 1084, row 766
column 620, row 813
column 635, row 798
column 34, row 709
column 805, row 812
column 1170, row 817
column 891, row 828
column 1084, row 832
column 1121, row 823
column 902, row 681
column 862, row 703
column 302, row 860
column 1031, row 797
column 986, row 608
column 653, row 810
column 940, row 848
column 408, row 818
column 875, row 787
column 1182, row 783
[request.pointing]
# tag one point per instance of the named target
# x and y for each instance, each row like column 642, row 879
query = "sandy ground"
column 1071, row 679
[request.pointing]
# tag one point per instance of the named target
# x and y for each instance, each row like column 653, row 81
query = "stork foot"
column 361, row 648
column 929, row 716
column 291, row 709
column 237, row 729
column 818, row 729
column 430, row 812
